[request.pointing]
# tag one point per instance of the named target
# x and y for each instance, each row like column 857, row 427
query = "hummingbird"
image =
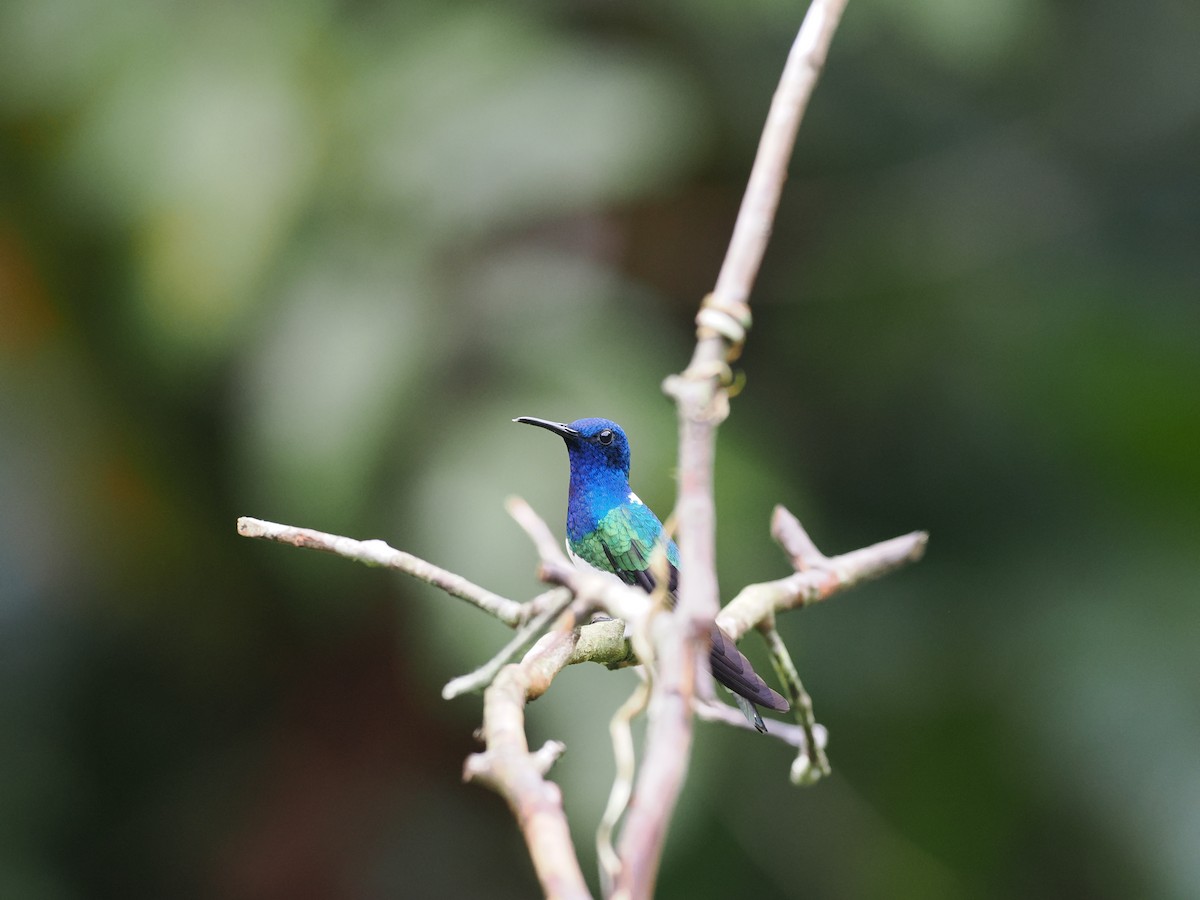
column 610, row 529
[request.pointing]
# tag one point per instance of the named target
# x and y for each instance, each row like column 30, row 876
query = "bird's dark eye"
column 605, row 437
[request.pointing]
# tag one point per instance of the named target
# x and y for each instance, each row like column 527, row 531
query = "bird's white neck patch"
column 581, row 563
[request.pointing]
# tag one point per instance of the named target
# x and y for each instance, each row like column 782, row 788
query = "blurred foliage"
column 305, row 260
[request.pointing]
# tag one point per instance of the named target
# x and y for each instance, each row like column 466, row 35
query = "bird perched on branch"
column 610, row 529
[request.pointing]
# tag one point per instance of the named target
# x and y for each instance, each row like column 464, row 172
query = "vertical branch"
column 702, row 401
column 623, row 754
column 757, row 213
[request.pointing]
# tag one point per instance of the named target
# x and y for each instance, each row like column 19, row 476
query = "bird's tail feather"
column 750, row 711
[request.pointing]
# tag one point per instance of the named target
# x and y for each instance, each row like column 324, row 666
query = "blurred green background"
column 304, row 260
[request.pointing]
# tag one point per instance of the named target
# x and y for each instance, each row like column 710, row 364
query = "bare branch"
column 811, row 764
column 757, row 214
column 702, row 402
column 507, row 766
column 793, row 735
column 759, row 602
column 603, row 642
column 554, row 603
column 791, row 536
column 600, row 642
column 378, row 553
column 549, row 550
column 618, row 798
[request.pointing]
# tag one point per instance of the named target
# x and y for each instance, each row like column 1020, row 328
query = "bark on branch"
column 519, row 776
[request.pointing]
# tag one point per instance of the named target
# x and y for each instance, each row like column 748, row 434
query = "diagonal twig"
column 811, row 764
column 379, row 553
column 790, row 733
column 759, row 602
column 555, row 602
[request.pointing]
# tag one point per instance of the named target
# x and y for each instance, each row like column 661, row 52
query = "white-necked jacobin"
column 610, row 529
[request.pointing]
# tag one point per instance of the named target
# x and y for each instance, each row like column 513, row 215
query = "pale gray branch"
column 791, row 536
column 791, row 734
column 760, row 602
column 556, row 567
column 509, row 768
column 621, row 732
column 702, row 403
column 554, row 603
column 378, row 553
column 757, row 214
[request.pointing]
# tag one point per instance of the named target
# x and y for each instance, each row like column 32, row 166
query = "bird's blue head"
column 599, row 453
column 598, row 447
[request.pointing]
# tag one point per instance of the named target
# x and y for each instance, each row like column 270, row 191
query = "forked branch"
column 674, row 645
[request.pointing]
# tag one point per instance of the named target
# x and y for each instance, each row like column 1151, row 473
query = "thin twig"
column 791, row 536
column 549, row 550
column 554, row 603
column 621, row 732
column 759, row 602
column 815, row 765
column 791, row 734
column 379, row 553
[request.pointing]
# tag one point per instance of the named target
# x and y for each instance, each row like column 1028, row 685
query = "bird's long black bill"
column 557, row 427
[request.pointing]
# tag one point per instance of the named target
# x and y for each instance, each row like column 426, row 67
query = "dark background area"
column 305, row 261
